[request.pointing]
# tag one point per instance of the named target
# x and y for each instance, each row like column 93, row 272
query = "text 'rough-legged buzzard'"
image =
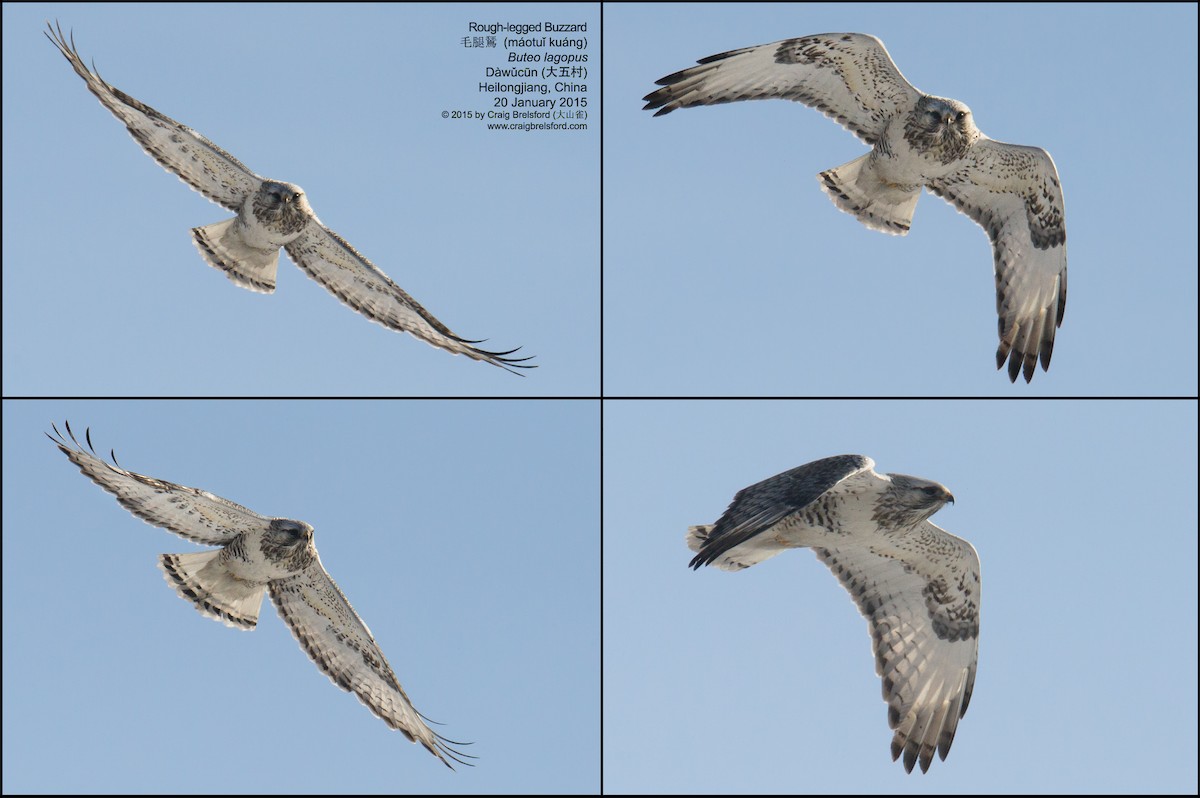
column 271, row 214
column 916, row 140
column 260, row 554
column 917, row 584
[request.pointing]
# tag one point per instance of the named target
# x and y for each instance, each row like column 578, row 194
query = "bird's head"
column 288, row 544
column 944, row 127
column 944, row 113
column 282, row 207
column 285, row 532
column 912, row 499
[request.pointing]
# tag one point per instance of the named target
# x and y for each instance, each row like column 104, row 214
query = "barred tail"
column 222, row 247
column 856, row 189
column 203, row 579
column 697, row 536
column 734, row 558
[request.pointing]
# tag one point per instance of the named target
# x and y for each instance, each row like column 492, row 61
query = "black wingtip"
column 502, row 360
column 443, row 748
column 1047, row 351
column 74, row 440
column 499, row 359
column 60, row 441
column 1014, row 365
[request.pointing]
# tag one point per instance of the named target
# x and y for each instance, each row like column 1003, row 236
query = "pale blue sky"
column 763, row 681
column 466, row 534
column 729, row 272
column 496, row 233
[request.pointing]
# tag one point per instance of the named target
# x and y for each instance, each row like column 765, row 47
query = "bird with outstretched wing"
column 916, row 584
column 916, row 140
column 271, row 214
column 262, row 555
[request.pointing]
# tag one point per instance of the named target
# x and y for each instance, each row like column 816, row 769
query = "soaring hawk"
column 258, row 555
column 916, row 140
column 271, row 214
column 916, row 584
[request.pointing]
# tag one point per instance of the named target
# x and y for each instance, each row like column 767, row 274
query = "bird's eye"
column 961, row 116
column 930, row 490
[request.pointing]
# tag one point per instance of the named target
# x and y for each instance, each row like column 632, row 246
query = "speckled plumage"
column 917, row 585
column 260, row 554
column 916, row 140
column 271, row 214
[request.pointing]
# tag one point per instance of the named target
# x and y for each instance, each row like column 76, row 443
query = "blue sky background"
column 717, row 244
column 495, row 232
column 729, row 272
column 466, row 534
column 763, row 681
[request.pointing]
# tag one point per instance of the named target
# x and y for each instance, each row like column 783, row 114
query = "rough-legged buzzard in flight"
column 271, row 214
column 916, row 584
column 916, row 140
column 263, row 555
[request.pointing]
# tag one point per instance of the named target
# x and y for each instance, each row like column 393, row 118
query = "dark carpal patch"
column 955, row 616
column 809, row 50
